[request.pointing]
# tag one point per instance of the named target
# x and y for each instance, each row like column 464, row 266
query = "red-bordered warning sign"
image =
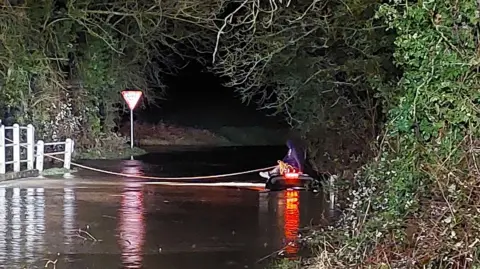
column 131, row 97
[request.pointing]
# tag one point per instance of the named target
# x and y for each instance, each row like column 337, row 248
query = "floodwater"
column 97, row 221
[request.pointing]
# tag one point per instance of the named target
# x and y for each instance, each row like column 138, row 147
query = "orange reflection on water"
column 291, row 220
column 132, row 228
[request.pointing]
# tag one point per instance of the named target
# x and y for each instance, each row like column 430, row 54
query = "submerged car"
column 290, row 179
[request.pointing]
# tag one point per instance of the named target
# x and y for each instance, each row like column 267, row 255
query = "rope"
column 152, row 177
column 164, row 178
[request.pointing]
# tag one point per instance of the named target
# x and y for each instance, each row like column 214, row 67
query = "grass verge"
column 120, row 152
column 57, row 171
column 253, row 136
column 167, row 134
column 116, row 146
column 112, row 146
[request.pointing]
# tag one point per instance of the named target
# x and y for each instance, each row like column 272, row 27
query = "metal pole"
column 131, row 128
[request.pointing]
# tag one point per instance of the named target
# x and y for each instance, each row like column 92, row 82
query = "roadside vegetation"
column 385, row 93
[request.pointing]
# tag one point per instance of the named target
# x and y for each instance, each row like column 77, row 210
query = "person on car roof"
column 295, row 157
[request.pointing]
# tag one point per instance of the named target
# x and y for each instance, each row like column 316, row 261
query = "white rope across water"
column 171, row 179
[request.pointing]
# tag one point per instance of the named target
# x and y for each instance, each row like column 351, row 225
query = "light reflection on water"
column 132, row 228
column 131, row 219
column 3, row 224
column 30, row 219
column 291, row 220
column 21, row 224
column 16, row 226
column 69, row 228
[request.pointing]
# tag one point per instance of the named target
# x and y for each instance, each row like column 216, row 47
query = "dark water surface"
column 132, row 224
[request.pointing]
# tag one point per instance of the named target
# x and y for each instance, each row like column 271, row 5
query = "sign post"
column 131, row 97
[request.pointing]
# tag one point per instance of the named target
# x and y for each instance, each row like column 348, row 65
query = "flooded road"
column 93, row 221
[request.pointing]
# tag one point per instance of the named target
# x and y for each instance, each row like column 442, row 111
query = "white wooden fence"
column 12, row 137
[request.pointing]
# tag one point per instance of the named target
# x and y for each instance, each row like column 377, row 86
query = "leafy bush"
column 413, row 207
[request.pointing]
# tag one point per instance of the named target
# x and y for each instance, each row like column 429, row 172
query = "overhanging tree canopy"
column 317, row 62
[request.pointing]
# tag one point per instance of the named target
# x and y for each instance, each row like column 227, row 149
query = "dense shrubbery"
column 415, row 205
column 55, row 71
column 63, row 64
column 393, row 85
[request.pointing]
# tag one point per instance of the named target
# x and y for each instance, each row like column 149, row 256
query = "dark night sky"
column 196, row 98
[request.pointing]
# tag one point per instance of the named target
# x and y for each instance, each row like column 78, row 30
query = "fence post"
column 68, row 157
column 39, row 156
column 68, row 154
column 16, row 148
column 30, row 146
column 2, row 149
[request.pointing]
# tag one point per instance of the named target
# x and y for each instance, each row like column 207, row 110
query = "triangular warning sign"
column 131, row 97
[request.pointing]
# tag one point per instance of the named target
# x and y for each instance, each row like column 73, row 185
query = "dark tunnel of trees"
column 385, row 93
column 296, row 60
